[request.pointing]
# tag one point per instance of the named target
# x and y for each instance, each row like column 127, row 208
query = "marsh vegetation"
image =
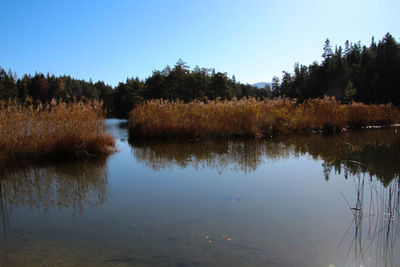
column 254, row 118
column 33, row 131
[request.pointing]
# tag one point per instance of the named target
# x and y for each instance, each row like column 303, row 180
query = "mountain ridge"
column 261, row 85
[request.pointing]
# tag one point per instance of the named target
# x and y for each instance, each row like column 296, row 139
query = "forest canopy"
column 353, row 73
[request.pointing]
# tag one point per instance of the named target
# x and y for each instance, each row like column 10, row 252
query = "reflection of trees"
column 375, row 152
column 370, row 151
column 375, row 224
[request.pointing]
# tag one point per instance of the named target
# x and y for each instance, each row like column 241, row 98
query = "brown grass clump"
column 253, row 118
column 33, row 130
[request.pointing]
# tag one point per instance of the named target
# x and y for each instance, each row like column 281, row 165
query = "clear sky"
column 111, row 40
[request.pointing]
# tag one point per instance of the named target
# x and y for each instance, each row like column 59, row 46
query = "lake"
column 313, row 200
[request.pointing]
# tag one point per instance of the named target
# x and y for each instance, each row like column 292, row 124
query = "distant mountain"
column 261, row 85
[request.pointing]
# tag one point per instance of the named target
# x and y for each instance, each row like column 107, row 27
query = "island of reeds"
column 33, row 131
column 254, row 118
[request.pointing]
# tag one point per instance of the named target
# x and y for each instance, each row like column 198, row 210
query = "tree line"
column 179, row 82
column 353, row 73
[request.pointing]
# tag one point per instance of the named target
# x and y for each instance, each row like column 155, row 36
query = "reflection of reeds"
column 34, row 130
column 375, row 222
column 69, row 185
column 244, row 155
column 5, row 219
column 376, row 150
column 253, row 118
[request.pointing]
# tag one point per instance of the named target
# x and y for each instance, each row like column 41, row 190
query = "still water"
column 301, row 201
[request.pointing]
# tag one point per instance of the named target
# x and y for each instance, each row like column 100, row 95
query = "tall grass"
column 253, row 118
column 33, row 130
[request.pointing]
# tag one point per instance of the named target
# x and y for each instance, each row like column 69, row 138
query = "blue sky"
column 113, row 40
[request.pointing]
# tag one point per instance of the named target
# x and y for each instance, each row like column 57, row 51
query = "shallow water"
column 301, row 201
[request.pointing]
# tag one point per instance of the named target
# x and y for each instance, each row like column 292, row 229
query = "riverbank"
column 34, row 131
column 254, row 118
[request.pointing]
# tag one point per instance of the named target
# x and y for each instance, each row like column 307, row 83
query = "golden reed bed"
column 33, row 130
column 253, row 118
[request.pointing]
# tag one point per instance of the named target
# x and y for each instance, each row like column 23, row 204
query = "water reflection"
column 67, row 185
column 240, row 155
column 118, row 128
column 369, row 160
column 63, row 185
column 374, row 152
column 168, row 218
column 73, row 185
column 375, row 228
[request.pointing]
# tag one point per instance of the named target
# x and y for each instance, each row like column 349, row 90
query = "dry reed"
column 32, row 131
column 253, row 118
